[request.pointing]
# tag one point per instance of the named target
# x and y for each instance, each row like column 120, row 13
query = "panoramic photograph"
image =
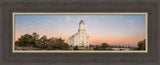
column 79, row 32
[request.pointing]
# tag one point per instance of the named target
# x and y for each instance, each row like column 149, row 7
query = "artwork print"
column 80, row 32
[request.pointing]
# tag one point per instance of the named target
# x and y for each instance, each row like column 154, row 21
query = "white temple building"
column 81, row 38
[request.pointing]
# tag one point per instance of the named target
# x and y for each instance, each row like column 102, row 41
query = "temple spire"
column 81, row 25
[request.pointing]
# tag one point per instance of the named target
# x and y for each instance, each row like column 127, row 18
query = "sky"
column 111, row 29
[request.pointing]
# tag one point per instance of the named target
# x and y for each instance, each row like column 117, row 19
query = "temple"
column 81, row 38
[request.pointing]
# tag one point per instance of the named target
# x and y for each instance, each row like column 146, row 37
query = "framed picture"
column 125, row 33
column 79, row 32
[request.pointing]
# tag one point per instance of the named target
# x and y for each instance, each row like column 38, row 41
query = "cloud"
column 134, row 24
column 30, row 23
column 46, row 24
column 92, row 21
column 59, row 19
column 130, row 23
column 50, row 21
column 68, row 18
column 60, row 25
column 85, row 17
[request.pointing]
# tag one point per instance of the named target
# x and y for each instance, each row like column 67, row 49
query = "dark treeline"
column 141, row 45
column 33, row 40
column 120, row 46
column 103, row 46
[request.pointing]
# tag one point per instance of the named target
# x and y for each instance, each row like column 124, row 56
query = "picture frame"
column 14, row 18
column 150, row 58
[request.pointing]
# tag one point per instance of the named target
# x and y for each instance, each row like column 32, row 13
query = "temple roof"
column 81, row 22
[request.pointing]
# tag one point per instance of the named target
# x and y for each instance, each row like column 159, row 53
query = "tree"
column 65, row 46
column 51, row 43
column 56, row 43
column 76, row 48
column 42, row 42
column 24, row 40
column 97, row 47
column 141, row 45
column 35, row 37
column 128, row 46
column 104, row 46
column 119, row 46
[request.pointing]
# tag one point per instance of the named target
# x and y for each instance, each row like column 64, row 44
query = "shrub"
column 76, row 48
